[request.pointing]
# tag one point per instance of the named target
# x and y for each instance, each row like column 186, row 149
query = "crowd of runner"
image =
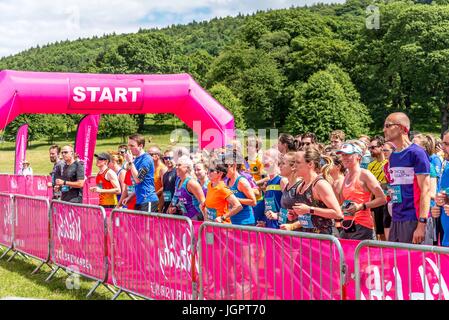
column 384, row 187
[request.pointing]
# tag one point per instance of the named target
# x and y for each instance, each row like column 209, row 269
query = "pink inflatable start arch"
column 61, row 93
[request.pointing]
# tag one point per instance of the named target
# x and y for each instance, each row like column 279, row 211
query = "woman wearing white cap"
column 359, row 187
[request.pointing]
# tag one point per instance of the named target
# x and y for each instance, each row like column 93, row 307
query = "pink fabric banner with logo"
column 249, row 265
column 78, row 235
column 86, row 139
column 21, row 147
column 6, row 220
column 152, row 256
column 398, row 274
column 31, row 232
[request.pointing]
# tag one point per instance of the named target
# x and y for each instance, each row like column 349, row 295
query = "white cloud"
column 27, row 23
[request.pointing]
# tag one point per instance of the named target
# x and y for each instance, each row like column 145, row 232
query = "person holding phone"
column 359, row 187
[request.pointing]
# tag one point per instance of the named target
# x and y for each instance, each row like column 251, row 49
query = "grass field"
column 37, row 153
column 17, row 281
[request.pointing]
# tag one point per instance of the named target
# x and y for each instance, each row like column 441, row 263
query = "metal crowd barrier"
column 382, row 266
column 152, row 255
column 249, row 263
column 6, row 222
column 32, row 228
column 79, row 241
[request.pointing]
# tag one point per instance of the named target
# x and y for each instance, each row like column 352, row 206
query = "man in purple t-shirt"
column 410, row 185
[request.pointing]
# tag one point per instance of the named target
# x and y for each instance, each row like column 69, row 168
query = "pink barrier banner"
column 152, row 255
column 31, row 233
column 4, row 183
column 78, row 236
column 21, row 147
column 251, row 265
column 17, row 184
column 37, row 186
column 6, row 220
column 90, row 197
column 86, row 139
column 402, row 274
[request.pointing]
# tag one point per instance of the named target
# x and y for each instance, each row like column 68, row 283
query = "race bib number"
column 396, row 195
column 283, row 216
column 167, row 196
column 182, row 207
column 211, row 214
column 270, row 205
column 306, row 221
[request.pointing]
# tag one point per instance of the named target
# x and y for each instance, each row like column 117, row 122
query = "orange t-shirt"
column 355, row 193
column 157, row 176
column 216, row 204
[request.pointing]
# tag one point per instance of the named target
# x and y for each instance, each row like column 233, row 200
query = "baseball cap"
column 103, row 156
column 349, row 148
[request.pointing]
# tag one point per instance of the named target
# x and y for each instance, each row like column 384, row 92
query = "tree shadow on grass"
column 24, row 266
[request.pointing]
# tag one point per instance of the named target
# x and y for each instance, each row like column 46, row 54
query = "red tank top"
column 106, row 199
column 355, row 193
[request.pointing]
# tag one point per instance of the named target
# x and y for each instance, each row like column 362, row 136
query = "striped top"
column 377, row 169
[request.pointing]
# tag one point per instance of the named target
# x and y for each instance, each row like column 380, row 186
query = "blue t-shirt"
column 444, row 186
column 145, row 191
column 246, row 215
column 273, row 197
column 438, row 164
column 404, row 166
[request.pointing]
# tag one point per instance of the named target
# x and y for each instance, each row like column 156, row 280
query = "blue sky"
column 27, row 23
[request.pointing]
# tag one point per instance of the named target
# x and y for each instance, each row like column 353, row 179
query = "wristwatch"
column 423, row 220
column 222, row 219
column 312, row 210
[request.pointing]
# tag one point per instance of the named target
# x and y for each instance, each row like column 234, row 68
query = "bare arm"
column 234, row 203
column 195, row 188
column 323, row 191
column 244, row 187
column 424, row 205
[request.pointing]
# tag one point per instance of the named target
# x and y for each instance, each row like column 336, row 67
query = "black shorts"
column 387, row 217
column 402, row 231
column 379, row 219
column 360, row 233
column 147, row 207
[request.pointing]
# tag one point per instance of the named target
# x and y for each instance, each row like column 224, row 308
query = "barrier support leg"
column 97, row 284
column 39, row 267
column 132, row 297
column 23, row 256
column 52, row 274
column 5, row 253
column 117, row 294
column 111, row 290
column 12, row 257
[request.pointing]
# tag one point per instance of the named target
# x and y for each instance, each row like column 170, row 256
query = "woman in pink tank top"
column 359, row 187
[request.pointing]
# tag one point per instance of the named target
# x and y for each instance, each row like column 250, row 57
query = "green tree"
column 225, row 96
column 328, row 101
column 121, row 125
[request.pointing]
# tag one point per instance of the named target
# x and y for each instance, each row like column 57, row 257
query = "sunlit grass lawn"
column 17, row 281
column 37, row 153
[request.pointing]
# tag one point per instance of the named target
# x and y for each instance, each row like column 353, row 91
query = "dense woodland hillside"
column 300, row 69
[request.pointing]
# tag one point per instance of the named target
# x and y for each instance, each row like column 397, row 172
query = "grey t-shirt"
column 73, row 172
